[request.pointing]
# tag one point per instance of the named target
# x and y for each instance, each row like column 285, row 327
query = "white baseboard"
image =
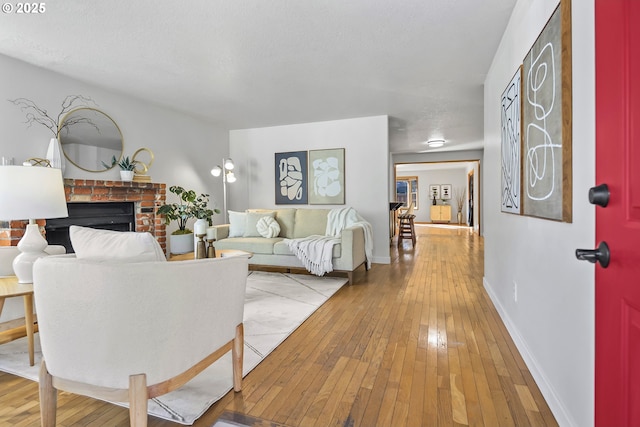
column 546, row 388
column 381, row 260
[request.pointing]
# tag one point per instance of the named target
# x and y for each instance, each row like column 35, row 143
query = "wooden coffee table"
column 220, row 253
column 9, row 288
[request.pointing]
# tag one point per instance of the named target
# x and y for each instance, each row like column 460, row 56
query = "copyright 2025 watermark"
column 24, row 8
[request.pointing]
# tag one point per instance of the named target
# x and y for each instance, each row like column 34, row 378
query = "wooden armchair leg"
column 48, row 398
column 138, row 400
column 237, row 354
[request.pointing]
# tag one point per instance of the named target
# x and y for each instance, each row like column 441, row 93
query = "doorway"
column 453, row 183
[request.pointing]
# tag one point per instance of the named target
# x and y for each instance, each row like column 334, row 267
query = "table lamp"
column 31, row 192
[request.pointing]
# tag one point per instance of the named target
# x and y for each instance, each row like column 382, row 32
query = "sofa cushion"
column 252, row 218
column 256, row 245
column 310, row 222
column 286, row 219
column 93, row 244
column 237, row 223
column 268, row 227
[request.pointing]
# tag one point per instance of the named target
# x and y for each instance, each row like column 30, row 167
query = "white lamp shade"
column 31, row 192
column 231, row 177
column 216, row 171
column 228, row 164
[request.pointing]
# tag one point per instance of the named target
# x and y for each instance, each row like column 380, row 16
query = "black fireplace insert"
column 117, row 216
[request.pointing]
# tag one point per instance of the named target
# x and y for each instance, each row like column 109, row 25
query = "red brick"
column 82, row 190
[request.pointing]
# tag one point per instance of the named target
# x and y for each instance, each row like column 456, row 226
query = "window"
column 407, row 189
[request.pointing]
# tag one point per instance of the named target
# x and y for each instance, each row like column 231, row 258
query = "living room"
column 552, row 320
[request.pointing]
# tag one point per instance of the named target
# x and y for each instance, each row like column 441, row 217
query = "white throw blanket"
column 341, row 218
column 316, row 251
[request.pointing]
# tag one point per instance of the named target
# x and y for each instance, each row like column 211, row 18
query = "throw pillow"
column 252, row 221
column 237, row 223
column 268, row 227
column 103, row 245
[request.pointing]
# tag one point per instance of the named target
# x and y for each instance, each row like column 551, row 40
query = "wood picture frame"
column 547, row 121
column 327, row 177
column 511, row 145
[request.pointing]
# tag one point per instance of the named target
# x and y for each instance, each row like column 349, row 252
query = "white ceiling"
column 403, row 168
column 252, row 63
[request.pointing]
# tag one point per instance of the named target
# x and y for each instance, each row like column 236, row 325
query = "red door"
column 617, row 375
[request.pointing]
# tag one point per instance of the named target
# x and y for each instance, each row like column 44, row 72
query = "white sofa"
column 241, row 233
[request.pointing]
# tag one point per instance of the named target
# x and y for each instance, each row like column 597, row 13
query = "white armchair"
column 133, row 331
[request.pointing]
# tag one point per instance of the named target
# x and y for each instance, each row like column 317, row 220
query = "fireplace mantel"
column 147, row 197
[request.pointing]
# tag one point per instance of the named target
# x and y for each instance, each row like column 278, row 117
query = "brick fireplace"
column 146, row 196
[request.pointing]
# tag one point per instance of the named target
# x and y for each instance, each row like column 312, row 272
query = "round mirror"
column 89, row 139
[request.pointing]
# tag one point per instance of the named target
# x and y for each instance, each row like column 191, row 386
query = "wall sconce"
column 227, row 176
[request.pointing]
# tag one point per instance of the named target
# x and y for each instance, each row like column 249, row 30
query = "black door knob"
column 599, row 195
column 601, row 254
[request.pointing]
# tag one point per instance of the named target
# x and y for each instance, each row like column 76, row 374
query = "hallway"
column 413, row 343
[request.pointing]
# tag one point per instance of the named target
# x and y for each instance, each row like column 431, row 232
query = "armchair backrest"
column 101, row 322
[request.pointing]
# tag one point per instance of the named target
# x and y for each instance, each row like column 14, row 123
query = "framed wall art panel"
column 434, row 191
column 445, row 191
column 547, row 121
column 291, row 178
column 326, row 177
column 511, row 145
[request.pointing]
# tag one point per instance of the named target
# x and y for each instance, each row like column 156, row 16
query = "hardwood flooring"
column 414, row 343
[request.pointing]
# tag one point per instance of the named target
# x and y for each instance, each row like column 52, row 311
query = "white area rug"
column 275, row 305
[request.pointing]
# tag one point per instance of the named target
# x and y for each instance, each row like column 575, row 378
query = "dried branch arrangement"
column 459, row 194
column 41, row 116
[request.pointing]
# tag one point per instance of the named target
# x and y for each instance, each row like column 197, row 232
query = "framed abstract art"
column 291, row 178
column 547, row 121
column 326, row 177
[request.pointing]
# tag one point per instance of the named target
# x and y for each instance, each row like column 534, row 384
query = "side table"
column 220, row 253
column 9, row 288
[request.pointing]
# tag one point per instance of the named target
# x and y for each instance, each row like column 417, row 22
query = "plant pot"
column 181, row 243
column 126, row 175
column 459, row 217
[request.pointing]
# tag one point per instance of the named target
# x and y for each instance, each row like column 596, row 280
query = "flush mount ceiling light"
column 434, row 143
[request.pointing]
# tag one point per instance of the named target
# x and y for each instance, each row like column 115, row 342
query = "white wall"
column 366, row 146
column 185, row 147
column 552, row 321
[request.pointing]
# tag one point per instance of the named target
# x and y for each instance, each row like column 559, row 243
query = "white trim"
column 559, row 411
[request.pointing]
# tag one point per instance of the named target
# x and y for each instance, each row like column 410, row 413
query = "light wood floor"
column 413, row 343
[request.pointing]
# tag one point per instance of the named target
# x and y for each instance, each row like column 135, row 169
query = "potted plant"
column 127, row 167
column 189, row 205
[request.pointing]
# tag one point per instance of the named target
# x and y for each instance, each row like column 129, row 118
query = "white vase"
column 126, row 175
column 181, row 243
column 55, row 155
